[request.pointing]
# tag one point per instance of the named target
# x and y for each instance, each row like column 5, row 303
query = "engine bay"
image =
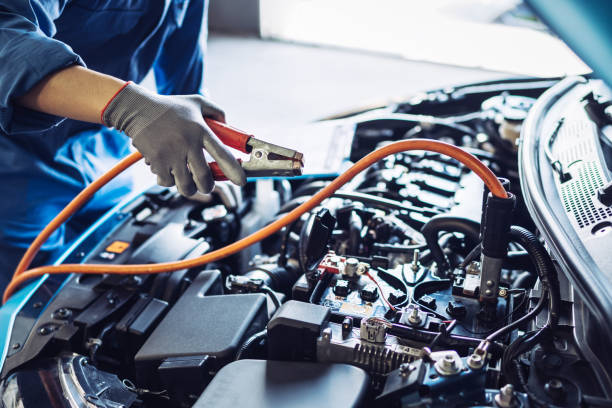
column 411, row 286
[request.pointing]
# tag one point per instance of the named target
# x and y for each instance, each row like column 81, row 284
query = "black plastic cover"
column 293, row 331
column 198, row 325
column 184, row 378
column 265, row 384
column 212, row 325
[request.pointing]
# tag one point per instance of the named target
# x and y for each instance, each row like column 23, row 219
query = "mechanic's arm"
column 43, row 74
column 169, row 131
column 74, row 92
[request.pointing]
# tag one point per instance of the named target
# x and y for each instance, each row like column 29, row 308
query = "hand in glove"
column 170, row 132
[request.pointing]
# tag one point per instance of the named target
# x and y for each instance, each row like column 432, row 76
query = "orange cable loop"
column 22, row 275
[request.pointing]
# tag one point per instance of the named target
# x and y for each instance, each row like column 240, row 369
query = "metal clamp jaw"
column 267, row 159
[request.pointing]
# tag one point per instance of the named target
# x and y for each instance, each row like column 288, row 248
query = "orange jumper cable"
column 22, row 275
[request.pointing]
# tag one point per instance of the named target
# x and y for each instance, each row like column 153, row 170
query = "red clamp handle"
column 216, row 171
column 230, row 136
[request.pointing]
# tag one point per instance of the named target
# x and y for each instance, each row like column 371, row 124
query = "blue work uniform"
column 46, row 160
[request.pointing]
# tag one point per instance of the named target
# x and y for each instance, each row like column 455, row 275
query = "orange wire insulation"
column 455, row 152
column 77, row 202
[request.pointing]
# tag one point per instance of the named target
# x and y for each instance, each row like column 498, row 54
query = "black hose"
column 425, row 336
column 544, row 267
column 525, row 384
column 293, row 203
column 282, row 258
column 370, row 199
column 277, row 278
column 319, row 288
column 524, row 280
column 519, row 261
column 445, row 223
column 596, row 401
column 427, row 120
column 310, row 188
column 354, row 229
column 376, row 201
column 302, row 256
column 379, row 191
column 519, row 346
column 254, row 339
column 273, row 296
column 471, row 256
column 515, row 260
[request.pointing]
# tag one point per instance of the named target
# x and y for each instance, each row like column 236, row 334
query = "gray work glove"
column 170, row 132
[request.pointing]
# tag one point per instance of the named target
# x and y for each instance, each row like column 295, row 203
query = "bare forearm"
column 74, row 92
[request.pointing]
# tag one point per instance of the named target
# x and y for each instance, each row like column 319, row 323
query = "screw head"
column 62, row 313
column 111, row 298
column 47, row 329
column 16, row 346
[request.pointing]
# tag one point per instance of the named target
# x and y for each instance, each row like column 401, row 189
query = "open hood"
column 585, row 27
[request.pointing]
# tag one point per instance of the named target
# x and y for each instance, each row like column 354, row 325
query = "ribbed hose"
column 254, row 339
column 543, row 265
column 444, row 223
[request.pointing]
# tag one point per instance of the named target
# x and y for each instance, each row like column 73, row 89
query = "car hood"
column 585, row 27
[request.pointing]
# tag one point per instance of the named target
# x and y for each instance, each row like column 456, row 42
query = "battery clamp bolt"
column 414, row 317
column 449, row 364
column 505, row 398
column 415, row 265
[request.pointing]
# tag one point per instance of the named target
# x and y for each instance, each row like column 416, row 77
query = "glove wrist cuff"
column 102, row 113
column 133, row 109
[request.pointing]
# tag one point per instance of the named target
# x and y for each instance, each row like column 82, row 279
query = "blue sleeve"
column 28, row 53
column 179, row 69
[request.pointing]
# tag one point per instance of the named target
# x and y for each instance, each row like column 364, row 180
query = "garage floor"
column 268, row 84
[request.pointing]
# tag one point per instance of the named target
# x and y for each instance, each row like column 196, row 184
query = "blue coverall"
column 46, row 160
